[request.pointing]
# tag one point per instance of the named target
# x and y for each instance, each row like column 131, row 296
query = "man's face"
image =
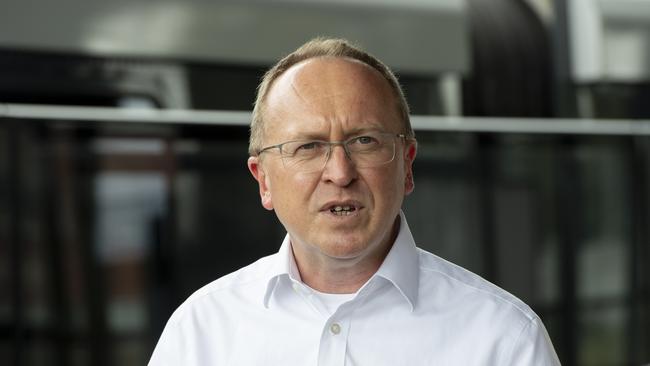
column 333, row 99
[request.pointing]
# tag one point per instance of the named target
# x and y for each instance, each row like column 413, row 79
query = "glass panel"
column 640, row 332
column 231, row 228
column 603, row 339
column 444, row 209
column 6, row 219
column 39, row 353
column 37, row 266
column 130, row 353
column 603, row 258
column 127, row 205
column 6, row 351
column 80, row 355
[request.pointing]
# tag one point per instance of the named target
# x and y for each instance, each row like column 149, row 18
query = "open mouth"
column 343, row 210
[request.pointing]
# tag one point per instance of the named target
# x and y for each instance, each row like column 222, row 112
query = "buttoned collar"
column 400, row 267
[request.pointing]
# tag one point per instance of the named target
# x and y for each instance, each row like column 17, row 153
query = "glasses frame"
column 332, row 144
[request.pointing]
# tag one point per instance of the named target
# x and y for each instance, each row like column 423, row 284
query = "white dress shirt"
column 417, row 309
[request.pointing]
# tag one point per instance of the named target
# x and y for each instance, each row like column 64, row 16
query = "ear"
column 409, row 156
column 256, row 169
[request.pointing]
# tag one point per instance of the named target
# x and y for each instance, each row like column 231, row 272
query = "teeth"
column 342, row 210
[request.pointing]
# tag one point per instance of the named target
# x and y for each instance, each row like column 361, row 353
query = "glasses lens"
column 372, row 150
column 304, row 155
column 365, row 151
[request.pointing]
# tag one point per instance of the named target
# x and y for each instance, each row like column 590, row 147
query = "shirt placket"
column 334, row 340
column 337, row 329
column 334, row 330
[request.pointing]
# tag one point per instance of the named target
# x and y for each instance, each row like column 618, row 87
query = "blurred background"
column 123, row 146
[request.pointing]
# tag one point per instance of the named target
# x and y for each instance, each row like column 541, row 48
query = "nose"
column 339, row 168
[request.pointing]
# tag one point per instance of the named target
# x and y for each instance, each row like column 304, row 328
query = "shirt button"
column 335, row 328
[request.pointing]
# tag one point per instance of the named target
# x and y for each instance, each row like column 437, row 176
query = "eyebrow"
column 348, row 134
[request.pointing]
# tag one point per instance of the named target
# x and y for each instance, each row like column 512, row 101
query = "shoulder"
column 207, row 319
column 224, row 290
column 463, row 285
column 491, row 318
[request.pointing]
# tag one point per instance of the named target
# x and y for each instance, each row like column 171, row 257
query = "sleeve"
column 533, row 347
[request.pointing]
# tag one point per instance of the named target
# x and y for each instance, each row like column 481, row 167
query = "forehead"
column 321, row 92
column 328, row 76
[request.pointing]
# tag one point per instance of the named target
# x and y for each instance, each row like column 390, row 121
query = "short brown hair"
column 321, row 47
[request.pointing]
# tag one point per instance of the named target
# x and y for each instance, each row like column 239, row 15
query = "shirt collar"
column 400, row 267
column 284, row 265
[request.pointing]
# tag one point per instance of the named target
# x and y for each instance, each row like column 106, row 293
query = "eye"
column 308, row 146
column 365, row 140
column 305, row 148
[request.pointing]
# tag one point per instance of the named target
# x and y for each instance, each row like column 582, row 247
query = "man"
column 332, row 151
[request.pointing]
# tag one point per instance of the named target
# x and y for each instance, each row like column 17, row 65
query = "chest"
column 358, row 337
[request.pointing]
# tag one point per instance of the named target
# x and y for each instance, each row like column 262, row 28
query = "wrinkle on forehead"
column 317, row 97
column 297, row 92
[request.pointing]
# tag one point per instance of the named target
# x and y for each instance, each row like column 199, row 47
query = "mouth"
column 343, row 210
column 346, row 208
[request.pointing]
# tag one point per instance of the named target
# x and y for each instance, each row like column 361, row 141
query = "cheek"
column 387, row 186
column 292, row 189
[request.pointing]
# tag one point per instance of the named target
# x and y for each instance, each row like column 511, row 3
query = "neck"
column 343, row 275
column 342, row 279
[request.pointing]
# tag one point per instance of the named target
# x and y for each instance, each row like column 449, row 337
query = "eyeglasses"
column 366, row 151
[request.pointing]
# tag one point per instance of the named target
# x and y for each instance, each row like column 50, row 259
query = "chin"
column 344, row 250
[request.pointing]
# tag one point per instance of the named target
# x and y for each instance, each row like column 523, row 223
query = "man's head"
column 321, row 47
column 344, row 206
